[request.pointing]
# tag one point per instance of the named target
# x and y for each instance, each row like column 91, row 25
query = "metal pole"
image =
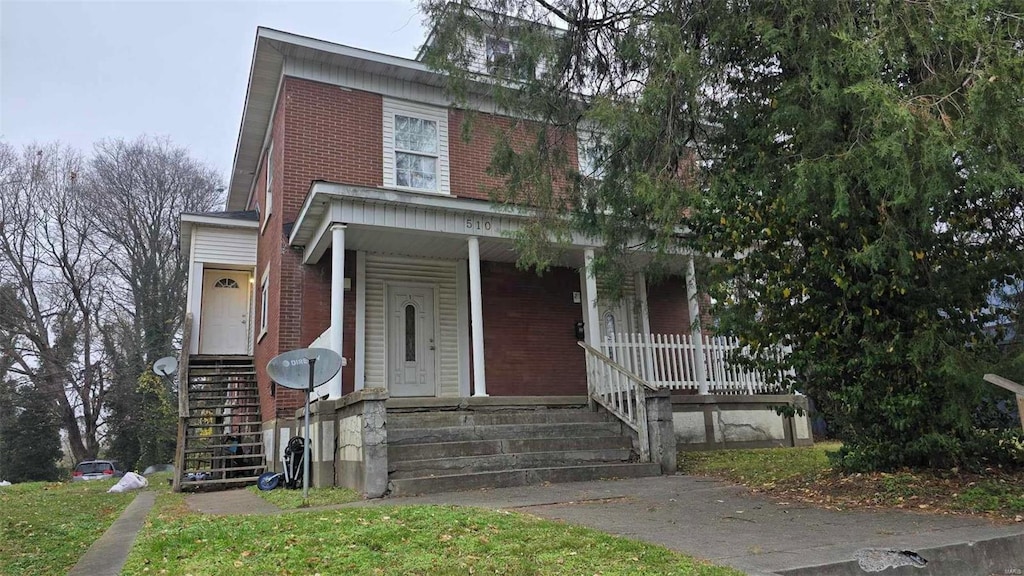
column 307, row 444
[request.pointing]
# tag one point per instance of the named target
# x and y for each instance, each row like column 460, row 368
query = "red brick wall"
column 667, row 306
column 669, row 310
column 270, row 247
column 469, row 160
column 320, row 132
column 529, row 343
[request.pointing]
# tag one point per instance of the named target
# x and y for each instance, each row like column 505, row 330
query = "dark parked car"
column 97, row 470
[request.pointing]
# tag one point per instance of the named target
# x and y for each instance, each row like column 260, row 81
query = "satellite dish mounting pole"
column 309, row 443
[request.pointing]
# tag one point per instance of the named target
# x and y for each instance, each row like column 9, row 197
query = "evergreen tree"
column 853, row 170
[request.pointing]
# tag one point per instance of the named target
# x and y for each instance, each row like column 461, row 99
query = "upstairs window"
column 415, row 153
column 591, row 152
column 498, row 52
column 500, row 59
column 415, row 146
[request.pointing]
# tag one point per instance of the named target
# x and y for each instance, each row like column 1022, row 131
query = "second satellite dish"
column 165, row 366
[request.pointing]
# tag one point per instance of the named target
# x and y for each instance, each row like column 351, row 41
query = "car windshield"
column 93, row 467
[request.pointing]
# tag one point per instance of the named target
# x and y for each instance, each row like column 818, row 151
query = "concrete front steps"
column 438, row 446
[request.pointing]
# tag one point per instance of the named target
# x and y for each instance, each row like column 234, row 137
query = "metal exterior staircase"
column 220, row 435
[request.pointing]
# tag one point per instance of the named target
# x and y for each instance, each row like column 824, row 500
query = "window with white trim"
column 415, row 146
column 264, row 306
column 415, row 152
column 269, row 191
column 591, row 150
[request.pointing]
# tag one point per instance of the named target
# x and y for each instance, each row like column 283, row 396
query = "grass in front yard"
column 287, row 499
column 391, row 540
column 804, row 474
column 46, row 527
column 760, row 467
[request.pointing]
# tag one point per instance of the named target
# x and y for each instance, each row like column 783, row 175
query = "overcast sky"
column 81, row 71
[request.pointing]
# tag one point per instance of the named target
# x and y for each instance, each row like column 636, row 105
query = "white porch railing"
column 323, row 340
column 670, row 360
column 621, row 393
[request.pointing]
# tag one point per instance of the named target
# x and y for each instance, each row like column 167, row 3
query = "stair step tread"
column 403, row 436
column 507, row 462
column 218, row 470
column 240, row 480
column 399, row 452
column 493, row 418
column 520, row 477
column 257, row 434
column 215, row 446
column 247, row 420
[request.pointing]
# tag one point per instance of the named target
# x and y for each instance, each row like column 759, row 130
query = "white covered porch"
column 407, row 240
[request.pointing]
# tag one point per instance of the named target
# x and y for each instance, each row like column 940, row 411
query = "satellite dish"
column 291, row 369
column 166, row 366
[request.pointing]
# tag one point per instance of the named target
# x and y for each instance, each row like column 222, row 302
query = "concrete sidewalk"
column 727, row 525
column 107, row 555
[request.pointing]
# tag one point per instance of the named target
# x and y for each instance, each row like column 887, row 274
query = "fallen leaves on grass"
column 804, row 475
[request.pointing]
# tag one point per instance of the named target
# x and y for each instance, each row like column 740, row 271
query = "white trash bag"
column 130, row 481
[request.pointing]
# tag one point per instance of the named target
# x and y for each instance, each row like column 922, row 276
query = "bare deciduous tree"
column 52, row 308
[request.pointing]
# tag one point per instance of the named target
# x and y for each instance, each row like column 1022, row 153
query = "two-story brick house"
column 358, row 220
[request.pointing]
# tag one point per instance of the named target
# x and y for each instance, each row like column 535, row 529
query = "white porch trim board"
column 462, row 294
column 360, row 335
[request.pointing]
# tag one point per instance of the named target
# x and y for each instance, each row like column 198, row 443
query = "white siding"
column 439, row 115
column 380, row 270
column 225, row 245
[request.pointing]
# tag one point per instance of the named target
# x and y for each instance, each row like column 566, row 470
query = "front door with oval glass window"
column 224, row 322
column 411, row 341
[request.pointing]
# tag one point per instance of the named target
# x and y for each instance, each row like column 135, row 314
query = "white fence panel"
column 670, row 361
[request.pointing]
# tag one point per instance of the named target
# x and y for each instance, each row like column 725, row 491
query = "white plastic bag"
column 130, row 481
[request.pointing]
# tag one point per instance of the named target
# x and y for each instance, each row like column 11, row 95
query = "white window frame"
column 583, row 138
column 393, row 108
column 489, row 63
column 264, row 305
column 268, row 195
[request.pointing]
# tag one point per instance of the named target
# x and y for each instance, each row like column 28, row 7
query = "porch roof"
column 416, row 224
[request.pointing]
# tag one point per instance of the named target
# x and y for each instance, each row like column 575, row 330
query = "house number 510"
column 472, row 224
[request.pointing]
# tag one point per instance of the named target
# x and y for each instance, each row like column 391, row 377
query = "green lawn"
column 423, row 540
column 759, row 467
column 804, row 474
column 46, row 527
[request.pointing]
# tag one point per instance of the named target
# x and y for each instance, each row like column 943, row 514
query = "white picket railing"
column 621, row 393
column 670, row 361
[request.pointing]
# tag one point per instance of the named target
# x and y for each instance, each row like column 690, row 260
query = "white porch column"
column 640, row 286
column 337, row 302
column 693, row 298
column 476, row 318
column 593, row 326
